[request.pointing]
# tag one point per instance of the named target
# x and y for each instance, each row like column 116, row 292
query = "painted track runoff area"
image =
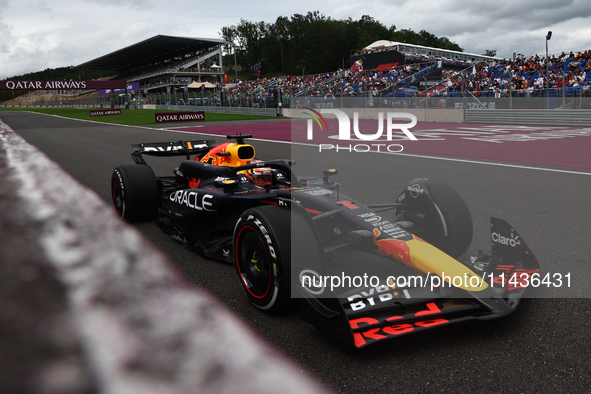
column 548, row 146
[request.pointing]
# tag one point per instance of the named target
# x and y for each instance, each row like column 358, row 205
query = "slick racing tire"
column 440, row 217
column 134, row 192
column 263, row 252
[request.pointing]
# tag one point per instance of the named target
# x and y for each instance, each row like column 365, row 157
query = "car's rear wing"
column 180, row 148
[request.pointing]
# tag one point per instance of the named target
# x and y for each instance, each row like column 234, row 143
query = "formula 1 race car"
column 299, row 242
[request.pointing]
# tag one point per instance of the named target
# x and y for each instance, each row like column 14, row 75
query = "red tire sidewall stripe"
column 256, row 231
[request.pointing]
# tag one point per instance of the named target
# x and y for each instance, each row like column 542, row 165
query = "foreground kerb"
column 97, row 308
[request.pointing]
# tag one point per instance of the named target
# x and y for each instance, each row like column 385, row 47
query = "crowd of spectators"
column 35, row 93
column 521, row 76
column 341, row 82
column 527, row 76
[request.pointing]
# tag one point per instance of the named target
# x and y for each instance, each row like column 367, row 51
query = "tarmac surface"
column 543, row 346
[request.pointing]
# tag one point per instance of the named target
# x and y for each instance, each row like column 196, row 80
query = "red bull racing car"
column 299, row 242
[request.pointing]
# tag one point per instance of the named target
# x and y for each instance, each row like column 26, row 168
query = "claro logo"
column 512, row 241
column 344, row 123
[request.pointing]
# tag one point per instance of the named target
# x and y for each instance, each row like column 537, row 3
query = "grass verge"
column 133, row 117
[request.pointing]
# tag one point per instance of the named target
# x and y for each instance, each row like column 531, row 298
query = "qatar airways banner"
column 60, row 85
column 179, row 116
column 104, row 112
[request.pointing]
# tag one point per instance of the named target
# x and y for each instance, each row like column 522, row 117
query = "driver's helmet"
column 260, row 176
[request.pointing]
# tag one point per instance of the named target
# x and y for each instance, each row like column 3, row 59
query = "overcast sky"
column 40, row 34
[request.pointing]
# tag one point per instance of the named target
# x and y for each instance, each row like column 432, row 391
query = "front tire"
column 135, row 192
column 439, row 215
column 262, row 253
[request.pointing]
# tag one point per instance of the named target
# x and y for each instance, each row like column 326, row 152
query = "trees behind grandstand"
column 313, row 41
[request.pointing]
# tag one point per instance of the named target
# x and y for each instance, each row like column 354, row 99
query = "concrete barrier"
column 88, row 305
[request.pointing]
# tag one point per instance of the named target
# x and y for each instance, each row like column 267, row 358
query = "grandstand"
column 163, row 63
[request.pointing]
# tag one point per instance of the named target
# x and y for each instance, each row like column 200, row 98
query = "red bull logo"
column 194, row 183
column 427, row 259
column 400, row 250
column 212, row 156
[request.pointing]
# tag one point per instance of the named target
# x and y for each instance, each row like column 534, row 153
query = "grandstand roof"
column 380, row 43
column 151, row 50
column 387, row 44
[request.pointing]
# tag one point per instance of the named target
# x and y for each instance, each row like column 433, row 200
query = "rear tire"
column 134, row 192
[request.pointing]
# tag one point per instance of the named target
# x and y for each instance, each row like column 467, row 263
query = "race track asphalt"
column 541, row 347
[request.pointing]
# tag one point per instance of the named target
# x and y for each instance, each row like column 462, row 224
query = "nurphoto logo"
column 344, row 132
